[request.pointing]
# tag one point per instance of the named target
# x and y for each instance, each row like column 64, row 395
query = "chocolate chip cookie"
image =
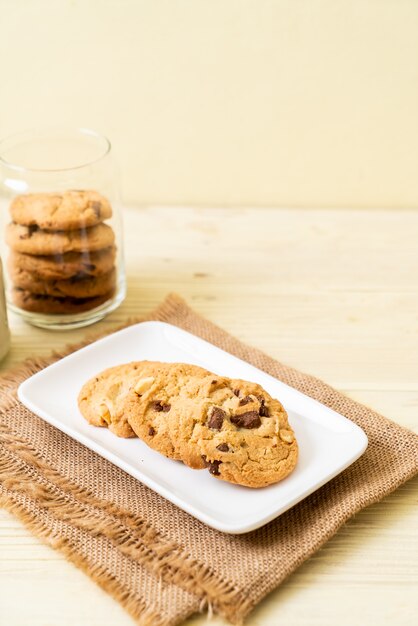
column 36, row 303
column 69, row 210
column 32, row 240
column 75, row 287
column 67, row 265
column 234, row 428
column 101, row 398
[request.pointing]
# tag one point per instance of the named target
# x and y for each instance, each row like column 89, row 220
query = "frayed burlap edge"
column 20, row 469
column 137, row 609
column 162, row 557
column 174, row 565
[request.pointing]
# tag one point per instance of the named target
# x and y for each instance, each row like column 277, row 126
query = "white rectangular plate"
column 328, row 442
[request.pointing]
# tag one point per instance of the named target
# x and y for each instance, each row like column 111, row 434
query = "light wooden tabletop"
column 333, row 293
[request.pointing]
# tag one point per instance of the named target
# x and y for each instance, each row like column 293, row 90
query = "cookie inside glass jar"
column 62, row 253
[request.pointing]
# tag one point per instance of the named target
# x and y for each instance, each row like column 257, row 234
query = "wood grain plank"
column 333, row 293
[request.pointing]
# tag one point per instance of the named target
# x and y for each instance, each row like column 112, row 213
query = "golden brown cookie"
column 68, row 210
column 67, row 265
column 32, row 240
column 232, row 427
column 76, row 287
column 101, row 398
column 36, row 303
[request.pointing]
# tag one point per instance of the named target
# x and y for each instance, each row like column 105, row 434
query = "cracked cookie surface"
column 73, row 209
column 101, row 398
column 75, row 287
column 38, row 303
column 67, row 265
column 32, row 240
column 234, row 428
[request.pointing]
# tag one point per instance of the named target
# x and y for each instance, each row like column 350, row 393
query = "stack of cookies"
column 62, row 257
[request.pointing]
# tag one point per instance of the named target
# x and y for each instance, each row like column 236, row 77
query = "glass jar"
column 62, row 232
column 4, row 327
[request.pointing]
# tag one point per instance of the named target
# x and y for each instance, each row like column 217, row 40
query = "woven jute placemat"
column 161, row 564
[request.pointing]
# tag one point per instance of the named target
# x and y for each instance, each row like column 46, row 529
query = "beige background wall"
column 227, row 102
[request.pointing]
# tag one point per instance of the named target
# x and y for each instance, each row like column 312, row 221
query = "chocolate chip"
column 77, row 278
column 216, row 418
column 250, row 419
column 214, row 382
column 96, row 206
column 245, row 400
column 32, row 228
column 213, row 466
column 223, row 447
column 160, row 406
column 151, row 431
column 236, row 392
column 263, row 411
column 89, row 267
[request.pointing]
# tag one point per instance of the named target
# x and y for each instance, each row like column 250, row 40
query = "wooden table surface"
column 331, row 292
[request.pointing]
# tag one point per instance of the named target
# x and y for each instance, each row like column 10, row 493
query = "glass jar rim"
column 45, row 130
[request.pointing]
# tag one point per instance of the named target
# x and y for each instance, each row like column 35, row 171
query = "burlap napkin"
column 159, row 562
